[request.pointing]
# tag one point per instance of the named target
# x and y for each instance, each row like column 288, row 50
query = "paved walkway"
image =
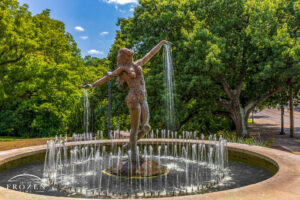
column 268, row 124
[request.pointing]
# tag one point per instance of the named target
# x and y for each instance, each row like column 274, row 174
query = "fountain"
column 146, row 170
column 95, row 170
column 165, row 164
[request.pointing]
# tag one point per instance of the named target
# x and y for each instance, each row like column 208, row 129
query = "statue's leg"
column 135, row 112
column 145, row 127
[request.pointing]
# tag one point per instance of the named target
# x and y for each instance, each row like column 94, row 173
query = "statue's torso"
column 134, row 78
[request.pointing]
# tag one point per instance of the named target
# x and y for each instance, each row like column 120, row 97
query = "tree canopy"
column 40, row 71
column 229, row 56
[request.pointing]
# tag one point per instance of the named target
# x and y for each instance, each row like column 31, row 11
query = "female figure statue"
column 130, row 73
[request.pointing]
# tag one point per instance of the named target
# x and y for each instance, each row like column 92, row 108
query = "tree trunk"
column 232, row 104
column 291, row 113
column 240, row 118
column 282, row 120
column 240, row 126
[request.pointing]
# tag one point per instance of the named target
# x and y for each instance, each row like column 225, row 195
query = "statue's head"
column 124, row 56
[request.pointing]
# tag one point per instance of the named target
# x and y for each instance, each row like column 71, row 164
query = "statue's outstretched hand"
column 110, row 74
column 86, row 86
column 164, row 42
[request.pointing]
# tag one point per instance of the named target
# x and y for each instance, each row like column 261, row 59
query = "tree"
column 40, row 71
column 229, row 56
column 17, row 37
column 249, row 49
column 152, row 22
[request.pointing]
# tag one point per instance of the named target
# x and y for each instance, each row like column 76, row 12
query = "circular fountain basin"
column 283, row 185
column 140, row 171
column 87, row 169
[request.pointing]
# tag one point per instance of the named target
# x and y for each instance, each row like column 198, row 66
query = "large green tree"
column 17, row 38
column 250, row 49
column 229, row 55
column 40, row 69
column 152, row 22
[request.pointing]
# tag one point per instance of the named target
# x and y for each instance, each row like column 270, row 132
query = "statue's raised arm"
column 104, row 79
column 109, row 76
column 151, row 53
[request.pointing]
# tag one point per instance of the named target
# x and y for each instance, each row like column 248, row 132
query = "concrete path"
column 268, row 124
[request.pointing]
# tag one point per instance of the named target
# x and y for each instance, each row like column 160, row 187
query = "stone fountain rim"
column 282, row 185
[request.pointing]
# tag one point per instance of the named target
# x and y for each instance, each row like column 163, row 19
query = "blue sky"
column 91, row 22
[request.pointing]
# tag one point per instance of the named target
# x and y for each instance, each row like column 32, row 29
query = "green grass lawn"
column 10, row 138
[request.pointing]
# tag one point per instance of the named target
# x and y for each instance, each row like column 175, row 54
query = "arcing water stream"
column 169, row 84
column 86, row 112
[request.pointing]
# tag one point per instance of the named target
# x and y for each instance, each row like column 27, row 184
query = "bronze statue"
column 130, row 74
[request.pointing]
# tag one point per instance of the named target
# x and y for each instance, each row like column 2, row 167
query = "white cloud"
column 96, row 52
column 118, row 9
column 104, row 33
column 79, row 28
column 131, row 9
column 122, row 2
column 84, row 37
